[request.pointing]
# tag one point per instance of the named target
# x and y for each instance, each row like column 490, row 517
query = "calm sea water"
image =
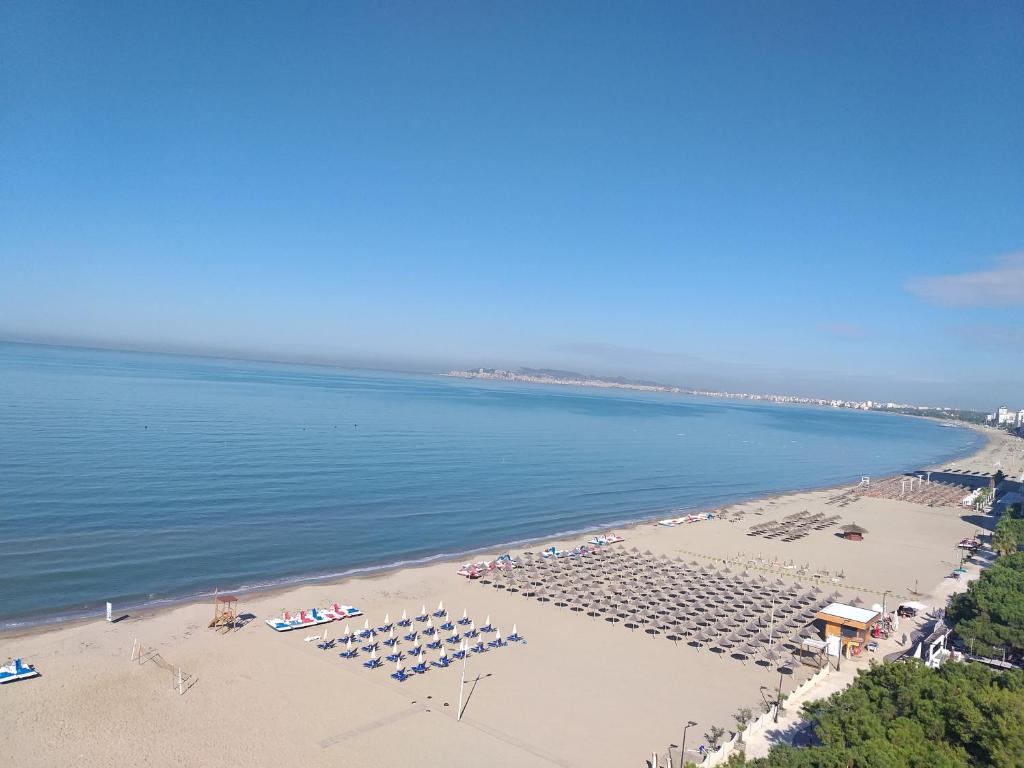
column 142, row 478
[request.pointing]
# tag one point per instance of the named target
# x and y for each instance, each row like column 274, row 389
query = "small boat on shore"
column 16, row 670
column 311, row 618
column 607, row 538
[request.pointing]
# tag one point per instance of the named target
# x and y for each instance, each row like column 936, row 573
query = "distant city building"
column 1020, row 418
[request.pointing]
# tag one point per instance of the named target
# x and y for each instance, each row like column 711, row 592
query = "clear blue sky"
column 803, row 197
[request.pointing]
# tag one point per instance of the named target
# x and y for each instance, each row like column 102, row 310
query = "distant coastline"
column 549, row 376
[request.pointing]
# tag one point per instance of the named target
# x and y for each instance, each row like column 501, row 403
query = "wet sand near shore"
column 579, row 691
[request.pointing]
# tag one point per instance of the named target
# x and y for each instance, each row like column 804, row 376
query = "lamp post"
column 682, row 749
column 778, row 699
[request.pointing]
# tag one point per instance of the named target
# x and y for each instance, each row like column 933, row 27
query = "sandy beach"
column 579, row 691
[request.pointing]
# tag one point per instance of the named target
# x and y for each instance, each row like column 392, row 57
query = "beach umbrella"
column 373, row 653
column 366, row 624
column 464, row 613
column 405, row 615
column 440, row 606
column 348, row 644
column 348, row 632
column 423, row 610
column 387, row 619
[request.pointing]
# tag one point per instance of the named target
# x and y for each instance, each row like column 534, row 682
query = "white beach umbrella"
column 497, row 634
column 471, row 627
column 430, row 623
column 348, row 643
column 373, row 654
column 465, row 613
column 391, row 634
column 404, row 614
column 443, row 655
column 423, row 609
column 440, row 605
column 419, row 659
column 398, row 666
column 514, row 631
column 348, row 632
column 387, row 619
column 366, row 624
column 487, row 621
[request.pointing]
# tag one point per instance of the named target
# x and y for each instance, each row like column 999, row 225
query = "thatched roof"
column 853, row 528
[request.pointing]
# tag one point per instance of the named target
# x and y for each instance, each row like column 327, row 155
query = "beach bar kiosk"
column 853, row 532
column 847, row 627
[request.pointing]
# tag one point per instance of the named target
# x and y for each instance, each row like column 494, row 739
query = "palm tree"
column 742, row 717
column 714, row 736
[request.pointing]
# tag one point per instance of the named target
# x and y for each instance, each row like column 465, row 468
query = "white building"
column 1020, row 418
column 1004, row 416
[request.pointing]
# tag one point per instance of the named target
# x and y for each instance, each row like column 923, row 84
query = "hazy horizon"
column 829, row 390
column 801, row 198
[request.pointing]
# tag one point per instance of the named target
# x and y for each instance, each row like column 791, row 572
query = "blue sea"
column 144, row 478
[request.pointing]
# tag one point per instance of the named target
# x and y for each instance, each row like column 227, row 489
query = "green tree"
column 991, row 612
column 742, row 717
column 714, row 736
column 906, row 715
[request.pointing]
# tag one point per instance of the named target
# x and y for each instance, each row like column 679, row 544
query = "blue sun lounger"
column 372, row 663
column 400, row 675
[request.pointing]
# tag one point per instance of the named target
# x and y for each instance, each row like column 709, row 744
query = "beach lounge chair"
column 440, row 612
column 436, row 645
column 416, row 650
column 487, row 625
column 497, row 642
column 373, row 661
column 399, row 674
column 411, row 636
column 397, row 656
column 442, row 662
column 423, row 614
column 326, row 645
column 447, row 626
column 465, row 618
column 404, row 621
column 420, row 667
column 514, row 637
column 370, row 647
column 456, row 638
column 459, row 654
column 349, row 652
column 480, row 647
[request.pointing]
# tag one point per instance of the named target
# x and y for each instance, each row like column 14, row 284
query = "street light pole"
column 682, row 751
column 778, row 699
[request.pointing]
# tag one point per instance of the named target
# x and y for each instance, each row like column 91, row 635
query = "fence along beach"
column 580, row 691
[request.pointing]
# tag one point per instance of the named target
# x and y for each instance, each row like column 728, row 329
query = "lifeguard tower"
column 225, row 612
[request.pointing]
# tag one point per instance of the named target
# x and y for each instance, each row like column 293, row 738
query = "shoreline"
column 286, row 700
column 32, row 626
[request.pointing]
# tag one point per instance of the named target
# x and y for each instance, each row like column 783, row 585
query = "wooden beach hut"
column 853, row 532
